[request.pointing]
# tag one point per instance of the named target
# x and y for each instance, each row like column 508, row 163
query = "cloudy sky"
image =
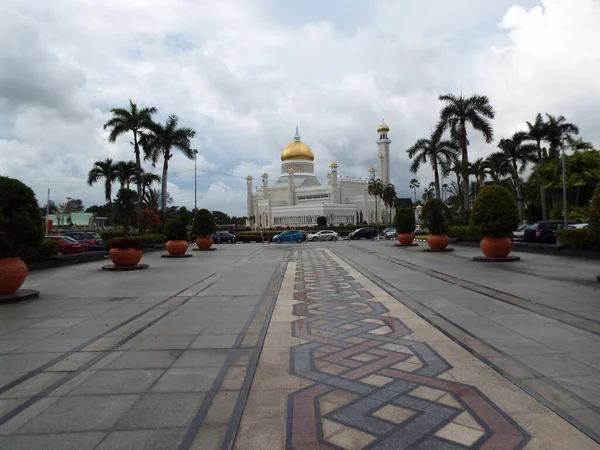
column 243, row 73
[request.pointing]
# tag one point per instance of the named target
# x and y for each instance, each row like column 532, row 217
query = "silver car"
column 323, row 235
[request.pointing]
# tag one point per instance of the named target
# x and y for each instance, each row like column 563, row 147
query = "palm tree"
column 428, row 194
column 375, row 188
column 558, row 130
column 160, row 142
column 519, row 153
column 579, row 145
column 135, row 120
column 106, row 170
column 538, row 132
column 126, row 173
column 152, row 200
column 146, row 179
column 389, row 198
column 456, row 114
column 498, row 166
column 414, row 184
column 479, row 169
column 439, row 152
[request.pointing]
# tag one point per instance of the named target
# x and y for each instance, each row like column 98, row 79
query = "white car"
column 579, row 226
column 519, row 233
column 323, row 235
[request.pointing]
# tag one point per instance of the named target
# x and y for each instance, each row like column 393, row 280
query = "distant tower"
column 334, row 182
column 249, row 193
column 383, row 153
column 265, row 185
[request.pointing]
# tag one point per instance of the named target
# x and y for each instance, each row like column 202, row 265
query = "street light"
column 195, row 151
column 564, row 180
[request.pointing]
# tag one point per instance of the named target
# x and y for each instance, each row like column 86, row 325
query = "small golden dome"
column 291, row 170
column 265, row 174
column 383, row 128
column 419, row 207
column 329, row 174
column 249, row 177
column 333, row 165
column 297, row 150
column 371, row 169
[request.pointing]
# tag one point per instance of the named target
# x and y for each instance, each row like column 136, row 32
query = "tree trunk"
column 138, row 165
column 518, row 189
column 163, row 194
column 465, row 162
column 436, row 177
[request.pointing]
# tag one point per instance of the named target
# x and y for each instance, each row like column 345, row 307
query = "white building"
column 297, row 198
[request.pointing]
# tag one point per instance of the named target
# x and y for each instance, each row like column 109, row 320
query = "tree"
column 389, row 197
column 146, row 179
column 125, row 209
column 558, row 131
column 149, row 220
column 498, row 166
column 519, row 153
column 375, row 189
column 479, row 170
column 437, row 151
column 414, row 184
column 127, row 172
column 106, row 170
column 322, row 221
column 133, row 120
column 160, row 142
column 456, row 114
column 221, row 218
column 428, row 194
column 537, row 132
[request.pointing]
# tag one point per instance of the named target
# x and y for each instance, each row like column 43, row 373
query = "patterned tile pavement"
column 346, row 366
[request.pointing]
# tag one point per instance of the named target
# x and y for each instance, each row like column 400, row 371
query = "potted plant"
column 126, row 251
column 435, row 216
column 176, row 231
column 404, row 221
column 20, row 227
column 496, row 213
column 203, row 228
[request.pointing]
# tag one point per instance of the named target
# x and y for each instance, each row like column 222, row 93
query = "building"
column 297, row 197
column 79, row 219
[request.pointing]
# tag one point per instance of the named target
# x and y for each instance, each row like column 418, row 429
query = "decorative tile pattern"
column 372, row 386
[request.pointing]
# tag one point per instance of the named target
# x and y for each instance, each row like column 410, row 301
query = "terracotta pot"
column 178, row 247
column 125, row 257
column 13, row 272
column 204, row 242
column 496, row 247
column 406, row 238
column 438, row 241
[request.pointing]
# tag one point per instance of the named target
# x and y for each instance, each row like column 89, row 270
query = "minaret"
column 265, row 185
column 291, row 188
column 383, row 153
column 249, row 194
column 334, row 182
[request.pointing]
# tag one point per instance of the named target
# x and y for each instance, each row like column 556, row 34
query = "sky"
column 244, row 73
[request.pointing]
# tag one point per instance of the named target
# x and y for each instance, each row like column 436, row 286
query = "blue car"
column 290, row 236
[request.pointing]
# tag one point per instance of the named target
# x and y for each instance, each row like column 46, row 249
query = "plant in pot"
column 125, row 251
column 176, row 231
column 404, row 221
column 203, row 228
column 496, row 213
column 20, row 227
column 436, row 217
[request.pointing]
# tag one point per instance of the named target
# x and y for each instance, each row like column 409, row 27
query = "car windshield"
column 69, row 239
column 92, row 236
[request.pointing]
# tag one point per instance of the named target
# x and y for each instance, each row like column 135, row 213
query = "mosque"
column 297, row 198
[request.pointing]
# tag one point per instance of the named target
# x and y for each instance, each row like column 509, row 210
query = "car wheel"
column 299, row 240
column 334, row 239
column 279, row 241
column 315, row 239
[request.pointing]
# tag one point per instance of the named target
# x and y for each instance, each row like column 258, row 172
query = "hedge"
column 146, row 240
column 578, row 239
column 48, row 249
column 466, row 233
column 106, row 235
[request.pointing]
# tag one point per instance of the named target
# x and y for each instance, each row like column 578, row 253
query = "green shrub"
column 47, row 250
column 436, row 216
column 578, row 238
column 466, row 233
column 495, row 212
column 404, row 221
column 125, row 208
column 106, row 235
column 125, row 243
column 322, row 221
column 21, row 224
column 594, row 214
column 176, row 228
column 204, row 224
column 145, row 241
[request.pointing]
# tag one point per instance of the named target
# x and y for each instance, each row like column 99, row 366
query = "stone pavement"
column 301, row 346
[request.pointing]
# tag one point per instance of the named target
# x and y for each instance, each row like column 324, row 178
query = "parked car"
column 223, row 237
column 290, row 236
column 323, row 235
column 67, row 244
column 579, row 226
column 93, row 240
column 390, row 233
column 545, row 231
column 363, row 233
column 519, row 233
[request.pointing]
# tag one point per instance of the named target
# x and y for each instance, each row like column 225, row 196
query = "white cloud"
column 243, row 76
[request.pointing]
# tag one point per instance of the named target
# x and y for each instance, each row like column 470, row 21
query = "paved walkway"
column 302, row 347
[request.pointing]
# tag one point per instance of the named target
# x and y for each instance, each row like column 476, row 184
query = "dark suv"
column 544, row 232
column 363, row 233
column 93, row 240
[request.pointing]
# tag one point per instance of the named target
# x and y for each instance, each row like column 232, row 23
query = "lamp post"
column 195, row 151
column 564, row 182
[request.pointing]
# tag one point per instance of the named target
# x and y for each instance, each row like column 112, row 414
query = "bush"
column 204, row 224
column 466, row 233
column 495, row 211
column 47, row 250
column 107, row 235
column 125, row 243
column 175, row 229
column 144, row 241
column 594, row 215
column 21, row 224
column 436, row 216
column 404, row 221
column 125, row 208
column 149, row 220
column 578, row 238
column 321, row 221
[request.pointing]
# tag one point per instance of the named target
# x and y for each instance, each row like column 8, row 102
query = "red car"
column 68, row 245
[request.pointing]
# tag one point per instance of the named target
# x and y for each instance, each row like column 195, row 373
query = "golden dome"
column 265, row 174
column 419, row 207
column 383, row 127
column 297, row 150
column 371, row 169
